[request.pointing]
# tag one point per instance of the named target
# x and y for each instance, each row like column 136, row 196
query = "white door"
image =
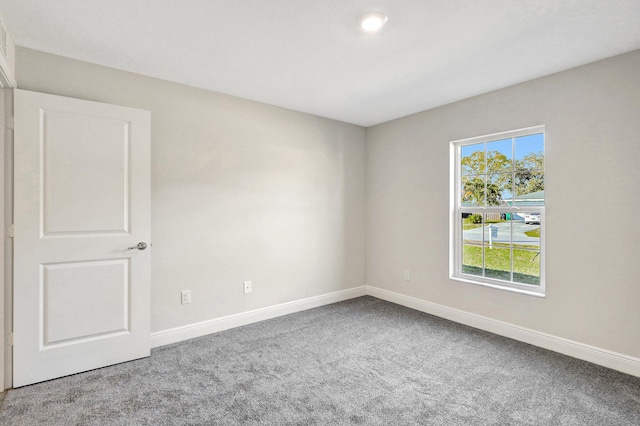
column 82, row 198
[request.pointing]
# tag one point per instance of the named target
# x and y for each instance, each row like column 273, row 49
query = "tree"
column 476, row 165
column 496, row 168
column 474, row 191
column 530, row 174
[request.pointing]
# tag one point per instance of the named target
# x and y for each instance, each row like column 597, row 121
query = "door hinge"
column 9, row 123
column 10, row 339
column 11, row 231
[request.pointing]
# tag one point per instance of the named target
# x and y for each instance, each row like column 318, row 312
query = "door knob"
column 140, row 246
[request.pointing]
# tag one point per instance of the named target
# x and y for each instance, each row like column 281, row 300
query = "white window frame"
column 456, row 210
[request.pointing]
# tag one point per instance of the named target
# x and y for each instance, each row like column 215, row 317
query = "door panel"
column 85, row 169
column 82, row 198
column 97, row 293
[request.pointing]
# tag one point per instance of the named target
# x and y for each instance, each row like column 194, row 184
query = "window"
column 497, row 208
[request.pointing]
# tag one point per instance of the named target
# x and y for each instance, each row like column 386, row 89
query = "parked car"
column 532, row 218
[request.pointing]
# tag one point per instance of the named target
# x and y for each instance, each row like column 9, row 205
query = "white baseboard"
column 616, row 361
column 177, row 334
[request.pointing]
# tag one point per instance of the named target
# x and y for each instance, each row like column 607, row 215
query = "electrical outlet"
column 247, row 287
column 185, row 296
column 407, row 275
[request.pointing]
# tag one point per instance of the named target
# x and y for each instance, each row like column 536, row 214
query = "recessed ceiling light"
column 373, row 21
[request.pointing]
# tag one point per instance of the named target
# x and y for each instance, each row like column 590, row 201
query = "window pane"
column 526, row 248
column 499, row 189
column 497, row 229
column 497, row 263
column 530, row 152
column 472, row 159
column 529, row 187
column 529, row 182
column 526, row 266
column 472, row 259
column 499, row 156
column 472, row 228
column 473, row 191
column 526, row 232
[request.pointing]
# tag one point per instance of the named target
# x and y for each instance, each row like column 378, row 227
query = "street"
column 504, row 230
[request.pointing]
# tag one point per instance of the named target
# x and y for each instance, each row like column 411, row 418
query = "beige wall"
column 240, row 191
column 246, row 191
column 592, row 118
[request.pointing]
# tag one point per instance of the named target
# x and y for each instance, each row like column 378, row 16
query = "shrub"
column 475, row 218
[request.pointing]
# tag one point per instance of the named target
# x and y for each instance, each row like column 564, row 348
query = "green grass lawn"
column 533, row 233
column 466, row 226
column 526, row 265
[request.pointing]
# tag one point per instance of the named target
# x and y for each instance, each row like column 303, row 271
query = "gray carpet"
column 363, row 361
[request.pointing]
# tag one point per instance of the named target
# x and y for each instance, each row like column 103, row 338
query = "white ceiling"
column 310, row 56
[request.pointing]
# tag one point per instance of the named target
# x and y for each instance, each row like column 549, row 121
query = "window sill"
column 500, row 287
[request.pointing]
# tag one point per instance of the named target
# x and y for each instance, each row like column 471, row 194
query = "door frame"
column 6, row 248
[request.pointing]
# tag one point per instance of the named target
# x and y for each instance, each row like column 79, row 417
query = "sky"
column 524, row 145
